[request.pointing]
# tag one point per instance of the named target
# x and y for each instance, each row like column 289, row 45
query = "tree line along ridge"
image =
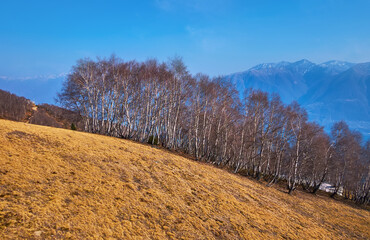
column 256, row 135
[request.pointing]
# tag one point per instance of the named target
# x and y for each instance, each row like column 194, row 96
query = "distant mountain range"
column 330, row 91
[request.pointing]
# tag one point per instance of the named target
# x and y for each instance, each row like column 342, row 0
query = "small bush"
column 73, row 126
column 153, row 140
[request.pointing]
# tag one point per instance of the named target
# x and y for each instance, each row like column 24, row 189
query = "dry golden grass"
column 57, row 183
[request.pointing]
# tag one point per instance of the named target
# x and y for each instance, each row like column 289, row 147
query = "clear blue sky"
column 212, row 36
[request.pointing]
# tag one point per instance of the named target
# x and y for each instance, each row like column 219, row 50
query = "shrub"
column 153, row 140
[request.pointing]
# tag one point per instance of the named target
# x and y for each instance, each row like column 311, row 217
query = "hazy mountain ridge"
column 330, row 91
column 41, row 89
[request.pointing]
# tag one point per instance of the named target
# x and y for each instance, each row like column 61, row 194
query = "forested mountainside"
column 17, row 108
column 58, row 184
column 260, row 136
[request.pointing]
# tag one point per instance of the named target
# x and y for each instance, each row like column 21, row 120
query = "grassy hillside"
column 57, row 183
column 13, row 107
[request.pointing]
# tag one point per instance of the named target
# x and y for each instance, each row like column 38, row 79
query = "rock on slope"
column 58, row 184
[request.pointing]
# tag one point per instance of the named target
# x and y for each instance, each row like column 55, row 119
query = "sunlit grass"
column 57, row 183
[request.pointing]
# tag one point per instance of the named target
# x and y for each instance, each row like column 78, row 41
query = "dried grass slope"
column 57, row 184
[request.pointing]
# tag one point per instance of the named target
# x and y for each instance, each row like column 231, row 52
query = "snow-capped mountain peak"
column 336, row 65
column 301, row 66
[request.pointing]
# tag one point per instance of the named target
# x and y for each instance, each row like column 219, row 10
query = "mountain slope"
column 330, row 91
column 58, row 184
column 284, row 78
column 13, row 107
column 344, row 96
column 347, row 93
column 290, row 80
column 322, row 73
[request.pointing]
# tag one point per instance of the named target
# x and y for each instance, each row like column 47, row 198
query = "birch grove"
column 258, row 136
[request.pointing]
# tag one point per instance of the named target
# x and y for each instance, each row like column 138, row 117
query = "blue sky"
column 213, row 36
